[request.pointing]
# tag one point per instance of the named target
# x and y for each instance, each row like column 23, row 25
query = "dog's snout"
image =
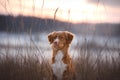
column 56, row 43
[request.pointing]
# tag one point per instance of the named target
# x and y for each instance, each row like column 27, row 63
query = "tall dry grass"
column 29, row 67
column 92, row 66
column 23, row 67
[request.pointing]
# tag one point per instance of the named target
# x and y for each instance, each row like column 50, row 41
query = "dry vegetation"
column 88, row 68
column 23, row 68
column 29, row 67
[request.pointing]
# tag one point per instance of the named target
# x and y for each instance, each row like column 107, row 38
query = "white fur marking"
column 59, row 67
column 56, row 40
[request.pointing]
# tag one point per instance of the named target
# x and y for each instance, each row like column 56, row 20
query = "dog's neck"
column 59, row 56
column 63, row 50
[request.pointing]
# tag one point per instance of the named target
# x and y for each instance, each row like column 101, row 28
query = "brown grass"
column 29, row 67
column 23, row 68
column 89, row 68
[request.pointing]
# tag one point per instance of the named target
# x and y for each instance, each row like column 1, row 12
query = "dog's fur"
column 60, row 41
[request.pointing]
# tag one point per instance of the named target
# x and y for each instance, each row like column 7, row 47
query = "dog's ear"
column 51, row 37
column 69, row 37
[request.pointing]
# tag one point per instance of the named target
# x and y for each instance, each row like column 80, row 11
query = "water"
column 38, row 43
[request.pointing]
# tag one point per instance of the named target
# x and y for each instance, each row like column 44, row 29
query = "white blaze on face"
column 59, row 67
column 57, row 40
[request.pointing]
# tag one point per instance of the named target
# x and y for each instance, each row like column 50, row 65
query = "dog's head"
column 59, row 39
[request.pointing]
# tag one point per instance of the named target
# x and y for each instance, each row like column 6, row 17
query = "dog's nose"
column 56, row 43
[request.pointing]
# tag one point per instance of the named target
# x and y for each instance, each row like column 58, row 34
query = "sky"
column 75, row 11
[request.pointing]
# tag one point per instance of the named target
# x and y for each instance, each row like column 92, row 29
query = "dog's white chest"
column 59, row 67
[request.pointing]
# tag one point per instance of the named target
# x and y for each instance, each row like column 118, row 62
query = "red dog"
column 61, row 61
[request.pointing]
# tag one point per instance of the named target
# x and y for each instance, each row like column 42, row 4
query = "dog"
column 61, row 61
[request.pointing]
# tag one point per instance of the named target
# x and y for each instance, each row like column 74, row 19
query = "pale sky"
column 75, row 11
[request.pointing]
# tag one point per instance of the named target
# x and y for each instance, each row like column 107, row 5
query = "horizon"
column 21, row 24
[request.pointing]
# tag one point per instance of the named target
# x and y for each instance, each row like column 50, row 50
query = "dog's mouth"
column 57, row 46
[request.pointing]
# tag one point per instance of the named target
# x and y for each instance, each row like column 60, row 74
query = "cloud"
column 69, row 10
column 112, row 3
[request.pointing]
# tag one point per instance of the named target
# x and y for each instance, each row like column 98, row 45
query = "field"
column 32, row 62
column 25, row 53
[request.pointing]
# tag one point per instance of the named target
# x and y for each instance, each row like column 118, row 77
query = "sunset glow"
column 74, row 11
